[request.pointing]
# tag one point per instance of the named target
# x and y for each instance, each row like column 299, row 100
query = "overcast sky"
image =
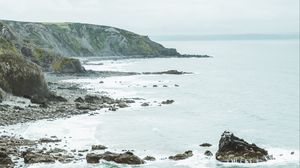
column 164, row 17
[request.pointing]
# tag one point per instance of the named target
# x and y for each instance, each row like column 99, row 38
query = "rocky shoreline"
column 15, row 151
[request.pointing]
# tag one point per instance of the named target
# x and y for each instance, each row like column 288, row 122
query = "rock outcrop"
column 234, row 149
column 182, row 156
column 123, row 158
column 21, row 77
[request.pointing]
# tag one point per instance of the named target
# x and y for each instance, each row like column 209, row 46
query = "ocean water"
column 249, row 87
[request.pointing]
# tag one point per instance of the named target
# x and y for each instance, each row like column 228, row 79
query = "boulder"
column 208, row 153
column 182, row 156
column 5, row 160
column 234, row 149
column 31, row 157
column 123, row 158
column 67, row 65
column 149, row 158
column 21, row 77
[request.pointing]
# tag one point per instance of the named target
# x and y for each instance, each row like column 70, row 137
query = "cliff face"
column 75, row 39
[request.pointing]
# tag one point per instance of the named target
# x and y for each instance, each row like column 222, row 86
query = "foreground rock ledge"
column 234, row 149
column 123, row 158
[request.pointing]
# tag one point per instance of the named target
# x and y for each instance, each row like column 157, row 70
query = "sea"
column 248, row 87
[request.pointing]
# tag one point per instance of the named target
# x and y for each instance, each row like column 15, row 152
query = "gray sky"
column 164, row 17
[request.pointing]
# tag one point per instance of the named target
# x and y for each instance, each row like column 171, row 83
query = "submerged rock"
column 149, row 158
column 234, row 149
column 167, row 102
column 182, row 156
column 123, row 158
column 205, row 145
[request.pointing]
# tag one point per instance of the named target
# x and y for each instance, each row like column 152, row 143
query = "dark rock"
column 149, row 158
column 49, row 140
column 31, row 157
column 98, row 147
column 170, row 72
column 205, row 145
column 92, row 158
column 123, row 158
column 122, row 104
column 5, row 160
column 55, row 98
column 292, row 153
column 155, row 86
column 145, row 104
column 182, row 156
column 176, row 85
column 234, row 149
column 208, row 153
column 38, row 99
column 167, row 102
column 79, row 100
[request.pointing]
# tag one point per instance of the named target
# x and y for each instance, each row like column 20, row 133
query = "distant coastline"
column 221, row 37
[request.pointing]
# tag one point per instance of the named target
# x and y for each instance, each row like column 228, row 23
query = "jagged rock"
column 79, row 100
column 5, row 160
column 182, row 156
column 234, row 149
column 31, row 157
column 98, row 147
column 205, row 145
column 167, row 102
column 149, row 158
column 208, row 153
column 123, row 158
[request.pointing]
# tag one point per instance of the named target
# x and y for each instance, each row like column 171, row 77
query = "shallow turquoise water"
column 250, row 88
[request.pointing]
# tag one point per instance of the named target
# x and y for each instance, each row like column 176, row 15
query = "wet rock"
column 79, row 100
column 145, row 104
column 234, row 149
column 167, row 102
column 123, row 158
column 98, row 147
column 5, row 160
column 182, row 156
column 55, row 98
column 92, row 158
column 155, row 86
column 170, row 72
column 122, row 104
column 205, row 145
column 176, row 85
column 31, row 157
column 149, row 158
column 292, row 153
column 49, row 140
column 208, row 153
column 36, row 99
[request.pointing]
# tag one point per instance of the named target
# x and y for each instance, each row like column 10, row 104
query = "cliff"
column 76, row 39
